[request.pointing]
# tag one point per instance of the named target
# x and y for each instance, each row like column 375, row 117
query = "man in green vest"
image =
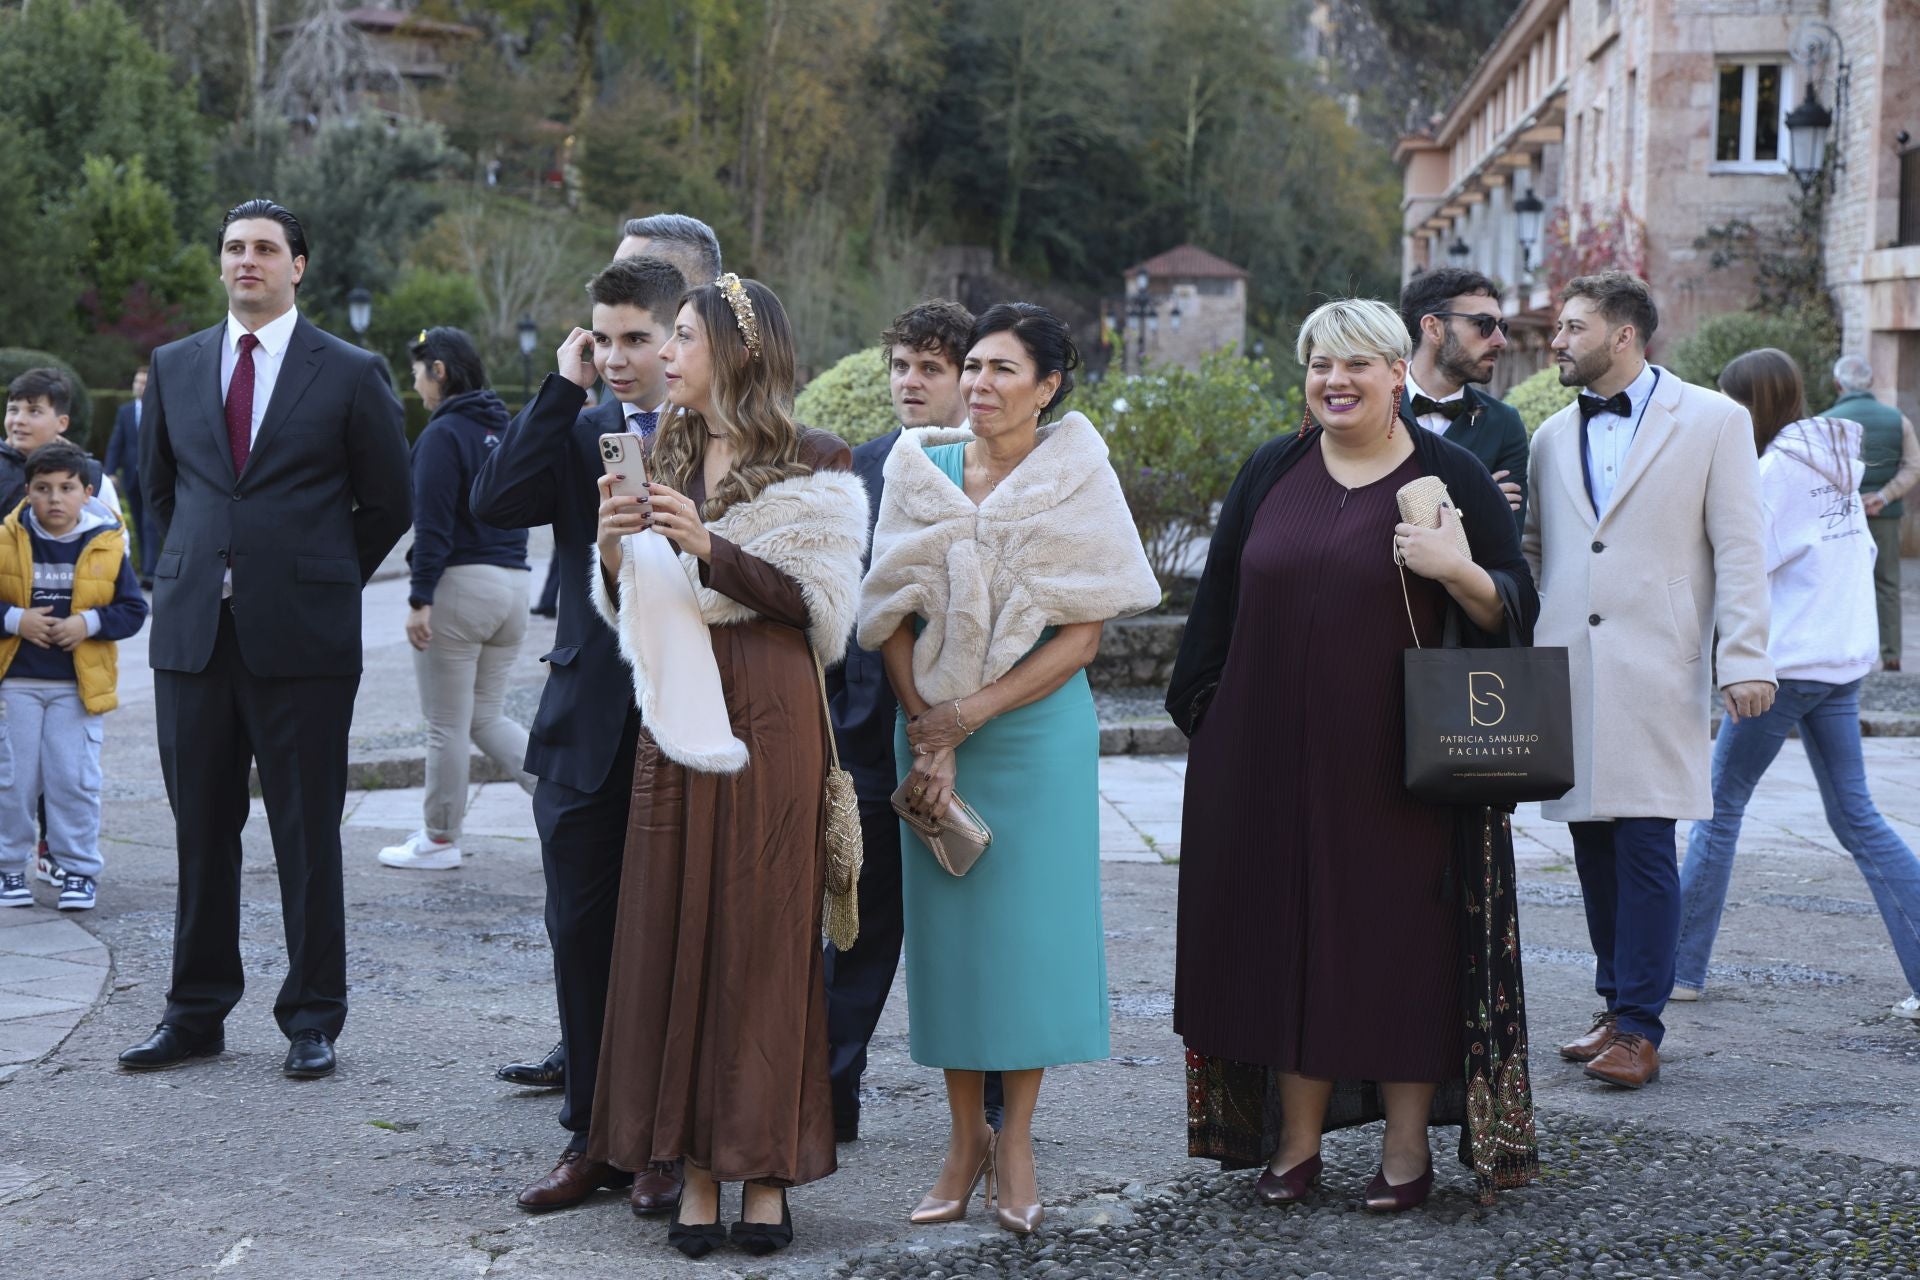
column 1892, row 457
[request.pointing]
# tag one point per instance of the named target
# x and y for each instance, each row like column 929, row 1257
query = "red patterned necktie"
column 240, row 404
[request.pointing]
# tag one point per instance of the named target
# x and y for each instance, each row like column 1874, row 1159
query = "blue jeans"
column 1828, row 716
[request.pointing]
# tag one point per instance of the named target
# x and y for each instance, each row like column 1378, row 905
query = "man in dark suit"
column 1453, row 316
column 123, row 464
column 581, row 743
column 925, row 348
column 275, row 464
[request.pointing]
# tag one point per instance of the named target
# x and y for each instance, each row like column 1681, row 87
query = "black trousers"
column 859, row 978
column 213, row 726
column 583, row 841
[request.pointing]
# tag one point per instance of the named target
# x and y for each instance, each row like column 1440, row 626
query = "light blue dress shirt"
column 1609, row 436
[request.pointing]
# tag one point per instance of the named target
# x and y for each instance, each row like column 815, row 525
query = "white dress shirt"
column 1609, row 436
column 274, row 337
column 1434, row 422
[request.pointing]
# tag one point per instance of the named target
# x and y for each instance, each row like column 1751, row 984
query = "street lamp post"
column 1459, row 251
column 1528, row 210
column 1808, row 123
column 529, row 336
column 359, row 314
column 1142, row 317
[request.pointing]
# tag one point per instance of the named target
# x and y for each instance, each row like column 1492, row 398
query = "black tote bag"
column 1487, row 726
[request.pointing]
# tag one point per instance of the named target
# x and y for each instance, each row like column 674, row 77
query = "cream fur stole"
column 1053, row 545
column 813, row 528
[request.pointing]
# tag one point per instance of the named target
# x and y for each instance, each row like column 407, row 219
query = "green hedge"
column 850, row 399
column 1808, row 335
column 1540, row 397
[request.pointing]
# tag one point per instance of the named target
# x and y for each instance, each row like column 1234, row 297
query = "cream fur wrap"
column 1053, row 545
column 812, row 528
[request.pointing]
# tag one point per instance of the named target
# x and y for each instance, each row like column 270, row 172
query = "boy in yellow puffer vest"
column 68, row 593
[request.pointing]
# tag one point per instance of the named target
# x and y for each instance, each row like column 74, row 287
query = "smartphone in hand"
column 624, row 453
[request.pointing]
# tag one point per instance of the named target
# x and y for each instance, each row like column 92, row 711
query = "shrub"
column 1805, row 333
column 1177, row 439
column 1540, row 397
column 850, row 399
column 15, row 361
column 421, row 299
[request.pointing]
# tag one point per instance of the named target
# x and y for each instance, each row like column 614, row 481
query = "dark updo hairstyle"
column 454, row 349
column 1045, row 338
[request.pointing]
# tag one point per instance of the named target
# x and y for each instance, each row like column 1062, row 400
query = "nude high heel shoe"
column 1021, row 1219
column 931, row 1210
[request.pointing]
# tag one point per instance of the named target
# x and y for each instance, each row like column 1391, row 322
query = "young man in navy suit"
column 581, row 743
column 123, row 464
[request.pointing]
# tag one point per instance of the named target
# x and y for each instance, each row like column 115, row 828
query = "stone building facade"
column 1199, row 306
column 1668, row 116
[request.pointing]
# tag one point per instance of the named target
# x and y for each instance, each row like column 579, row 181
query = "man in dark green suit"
column 1893, row 464
column 1453, row 316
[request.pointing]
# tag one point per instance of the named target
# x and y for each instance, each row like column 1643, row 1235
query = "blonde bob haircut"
column 1350, row 327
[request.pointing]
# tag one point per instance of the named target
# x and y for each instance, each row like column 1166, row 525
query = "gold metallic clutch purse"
column 956, row 840
column 1420, row 502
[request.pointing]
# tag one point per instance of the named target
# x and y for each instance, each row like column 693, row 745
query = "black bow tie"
column 1617, row 405
column 1451, row 410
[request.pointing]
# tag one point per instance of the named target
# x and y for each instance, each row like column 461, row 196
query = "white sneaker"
column 420, row 853
column 1908, row 1008
column 1683, row 993
column 45, row 869
column 14, row 891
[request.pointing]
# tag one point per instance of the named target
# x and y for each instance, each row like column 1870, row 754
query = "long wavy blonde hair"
column 752, row 397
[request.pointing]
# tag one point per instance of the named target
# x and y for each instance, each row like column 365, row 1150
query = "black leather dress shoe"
column 309, row 1057
column 169, row 1046
column 548, row 1073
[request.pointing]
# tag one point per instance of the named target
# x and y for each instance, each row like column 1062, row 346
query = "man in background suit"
column 275, row 465
column 925, row 348
column 1453, row 316
column 581, row 743
column 1644, row 535
column 123, row 464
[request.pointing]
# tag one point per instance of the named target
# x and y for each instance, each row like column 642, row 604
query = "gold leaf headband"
column 736, row 296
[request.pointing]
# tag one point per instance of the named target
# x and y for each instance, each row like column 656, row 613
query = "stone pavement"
column 1782, row 1140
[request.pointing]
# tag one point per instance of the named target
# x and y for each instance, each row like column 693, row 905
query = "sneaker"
column 421, row 853
column 1685, row 993
column 76, row 892
column 1908, row 1008
column 45, row 869
column 14, row 891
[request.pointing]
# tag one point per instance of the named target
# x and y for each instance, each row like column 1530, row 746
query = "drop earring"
column 1394, row 421
column 1306, row 421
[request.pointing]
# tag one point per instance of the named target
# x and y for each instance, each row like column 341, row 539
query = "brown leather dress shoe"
column 572, row 1180
column 1588, row 1046
column 656, row 1188
column 1629, row 1061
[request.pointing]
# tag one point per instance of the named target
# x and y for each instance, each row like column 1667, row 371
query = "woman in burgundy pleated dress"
column 1345, row 951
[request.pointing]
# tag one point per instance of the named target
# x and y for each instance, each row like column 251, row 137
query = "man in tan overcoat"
column 1644, row 535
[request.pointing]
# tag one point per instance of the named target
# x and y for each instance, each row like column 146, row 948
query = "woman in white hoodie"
column 1824, row 640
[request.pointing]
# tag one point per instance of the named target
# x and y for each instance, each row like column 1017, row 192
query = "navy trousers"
column 1630, row 877
column 583, row 842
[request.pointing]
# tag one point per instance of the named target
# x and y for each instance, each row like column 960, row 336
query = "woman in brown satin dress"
column 715, row 1051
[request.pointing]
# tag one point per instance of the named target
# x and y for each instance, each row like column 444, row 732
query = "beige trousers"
column 479, row 618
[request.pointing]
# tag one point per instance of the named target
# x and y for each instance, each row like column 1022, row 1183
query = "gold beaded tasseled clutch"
column 846, row 852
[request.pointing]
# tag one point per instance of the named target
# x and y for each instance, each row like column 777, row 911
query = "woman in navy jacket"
column 468, row 595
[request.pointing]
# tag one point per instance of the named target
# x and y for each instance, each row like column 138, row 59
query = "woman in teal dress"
column 1000, row 552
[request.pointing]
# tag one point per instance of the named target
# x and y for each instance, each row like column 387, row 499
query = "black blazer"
column 863, row 703
column 544, row 471
column 1209, row 634
column 123, row 452
column 323, row 498
column 1495, row 433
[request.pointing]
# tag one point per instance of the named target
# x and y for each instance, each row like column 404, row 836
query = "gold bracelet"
column 957, row 720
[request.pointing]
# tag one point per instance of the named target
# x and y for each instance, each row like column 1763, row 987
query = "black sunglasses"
column 1484, row 323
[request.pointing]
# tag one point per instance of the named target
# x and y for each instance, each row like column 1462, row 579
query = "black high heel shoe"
column 695, row 1239
column 761, row 1238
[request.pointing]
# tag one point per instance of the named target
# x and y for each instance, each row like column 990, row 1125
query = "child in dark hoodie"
column 468, row 595
column 69, row 593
